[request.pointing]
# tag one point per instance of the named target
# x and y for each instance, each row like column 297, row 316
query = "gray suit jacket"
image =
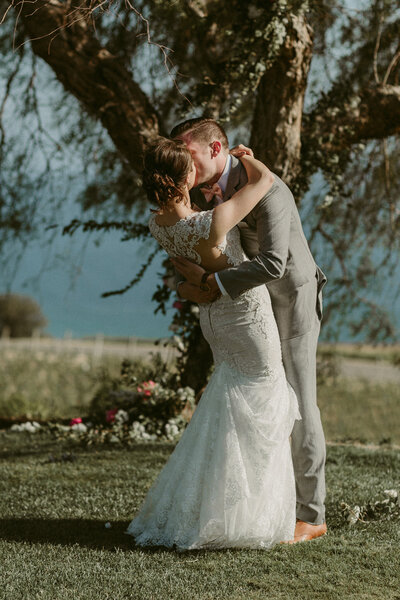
column 272, row 237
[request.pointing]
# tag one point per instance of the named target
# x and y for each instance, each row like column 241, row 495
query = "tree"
column 129, row 71
column 20, row 316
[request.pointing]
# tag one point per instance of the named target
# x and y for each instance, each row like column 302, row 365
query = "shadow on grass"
column 85, row 533
column 68, row 532
column 21, row 445
column 29, row 450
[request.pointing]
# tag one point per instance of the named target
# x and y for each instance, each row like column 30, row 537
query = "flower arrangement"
column 145, row 403
column 142, row 404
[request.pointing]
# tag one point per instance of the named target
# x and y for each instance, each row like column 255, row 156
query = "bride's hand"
column 191, row 272
column 241, row 150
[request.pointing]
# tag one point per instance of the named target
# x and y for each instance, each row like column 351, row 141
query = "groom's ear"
column 215, row 148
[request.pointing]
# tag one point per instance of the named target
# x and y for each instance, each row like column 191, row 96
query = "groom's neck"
column 220, row 167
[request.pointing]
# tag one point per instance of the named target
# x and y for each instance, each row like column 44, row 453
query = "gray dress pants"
column 308, row 441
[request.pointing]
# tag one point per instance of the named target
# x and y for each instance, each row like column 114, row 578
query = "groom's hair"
column 201, row 130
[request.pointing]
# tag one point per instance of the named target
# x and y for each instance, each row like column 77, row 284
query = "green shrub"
column 20, row 316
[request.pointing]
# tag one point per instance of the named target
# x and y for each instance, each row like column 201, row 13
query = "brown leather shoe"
column 305, row 532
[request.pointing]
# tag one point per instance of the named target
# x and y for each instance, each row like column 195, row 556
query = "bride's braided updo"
column 167, row 163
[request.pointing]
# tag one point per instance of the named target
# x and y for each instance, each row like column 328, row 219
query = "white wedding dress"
column 229, row 482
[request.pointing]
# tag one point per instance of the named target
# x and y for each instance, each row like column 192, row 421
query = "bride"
column 229, row 482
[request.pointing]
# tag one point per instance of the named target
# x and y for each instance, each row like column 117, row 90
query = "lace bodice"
column 182, row 238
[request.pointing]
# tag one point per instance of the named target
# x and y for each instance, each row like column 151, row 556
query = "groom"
column 273, row 238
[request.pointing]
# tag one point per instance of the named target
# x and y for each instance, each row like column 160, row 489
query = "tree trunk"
column 276, row 127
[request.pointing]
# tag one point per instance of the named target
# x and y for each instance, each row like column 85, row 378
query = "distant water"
column 68, row 278
column 69, row 289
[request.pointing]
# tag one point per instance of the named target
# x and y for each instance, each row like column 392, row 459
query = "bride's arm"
column 231, row 212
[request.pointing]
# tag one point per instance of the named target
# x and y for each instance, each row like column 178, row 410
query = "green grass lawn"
column 54, row 546
column 360, row 411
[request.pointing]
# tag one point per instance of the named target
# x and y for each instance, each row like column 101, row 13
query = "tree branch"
column 374, row 113
column 67, row 42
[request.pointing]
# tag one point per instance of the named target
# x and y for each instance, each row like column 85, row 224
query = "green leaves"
column 386, row 509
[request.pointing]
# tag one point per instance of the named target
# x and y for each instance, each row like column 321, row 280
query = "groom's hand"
column 191, row 272
column 191, row 292
column 190, row 289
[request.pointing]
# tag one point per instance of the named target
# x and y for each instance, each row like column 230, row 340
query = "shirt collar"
column 223, row 180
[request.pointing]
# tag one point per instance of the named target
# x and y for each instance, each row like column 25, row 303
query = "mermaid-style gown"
column 229, row 482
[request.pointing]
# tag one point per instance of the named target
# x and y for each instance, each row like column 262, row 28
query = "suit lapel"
column 234, row 179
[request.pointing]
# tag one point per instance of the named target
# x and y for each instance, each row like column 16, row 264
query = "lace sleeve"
column 181, row 238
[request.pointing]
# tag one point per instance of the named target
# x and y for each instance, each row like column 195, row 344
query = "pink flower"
column 178, row 305
column 75, row 421
column 148, row 384
column 110, row 415
column 146, row 387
